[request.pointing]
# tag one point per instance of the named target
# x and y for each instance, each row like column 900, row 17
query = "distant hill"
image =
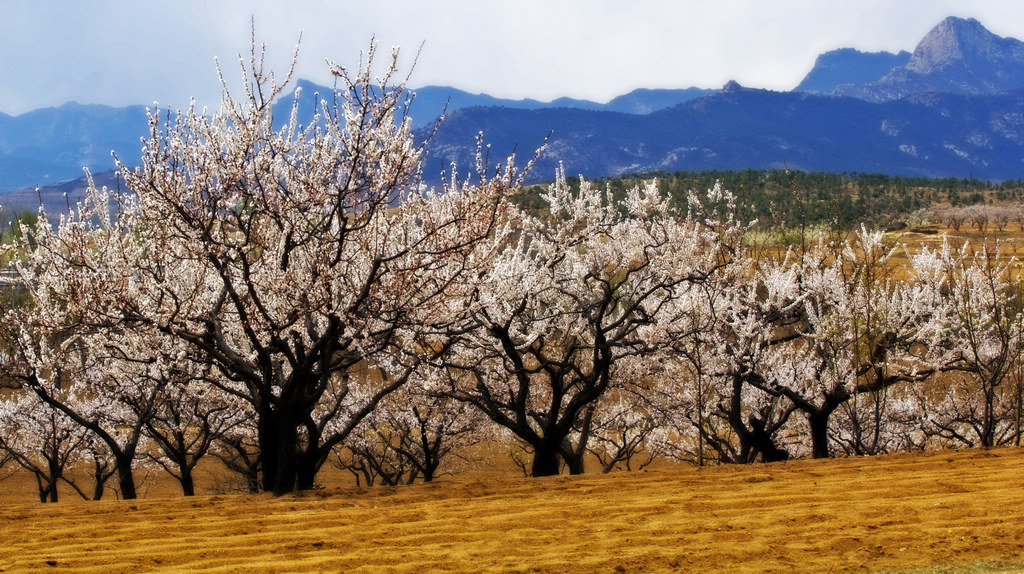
column 430, row 101
column 849, row 66
column 46, row 146
column 57, row 198
column 933, row 135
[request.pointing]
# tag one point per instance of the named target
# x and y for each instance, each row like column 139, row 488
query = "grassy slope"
column 951, row 509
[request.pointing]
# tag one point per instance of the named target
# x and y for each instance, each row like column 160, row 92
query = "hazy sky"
column 122, row 52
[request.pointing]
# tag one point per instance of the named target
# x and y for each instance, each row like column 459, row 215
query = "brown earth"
column 952, row 511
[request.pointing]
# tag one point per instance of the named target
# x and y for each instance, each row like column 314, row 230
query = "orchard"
column 281, row 296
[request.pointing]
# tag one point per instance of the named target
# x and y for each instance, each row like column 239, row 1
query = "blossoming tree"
column 566, row 299
column 281, row 255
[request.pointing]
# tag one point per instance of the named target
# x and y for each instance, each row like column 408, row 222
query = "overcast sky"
column 121, row 52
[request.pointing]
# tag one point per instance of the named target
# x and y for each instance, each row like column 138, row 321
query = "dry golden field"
column 952, row 511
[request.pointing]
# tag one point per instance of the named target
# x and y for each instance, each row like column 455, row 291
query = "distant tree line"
column 782, row 198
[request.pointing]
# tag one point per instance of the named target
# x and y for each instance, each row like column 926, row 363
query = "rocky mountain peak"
column 732, row 86
column 958, row 56
column 962, row 42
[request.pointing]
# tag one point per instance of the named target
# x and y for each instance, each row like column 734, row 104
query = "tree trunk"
column 818, row 421
column 47, row 489
column 187, row 484
column 125, row 479
column 100, row 474
column 268, row 437
column 545, row 459
column 761, row 441
column 55, row 473
column 988, row 424
column 306, row 471
column 308, row 460
column 575, row 464
column 428, row 472
column 430, row 461
column 574, row 457
column 755, row 439
column 284, row 480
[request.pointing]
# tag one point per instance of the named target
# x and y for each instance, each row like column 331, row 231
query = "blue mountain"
column 46, row 146
column 847, row 66
column 430, row 101
column 931, row 134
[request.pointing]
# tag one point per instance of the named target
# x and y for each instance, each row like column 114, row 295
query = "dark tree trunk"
column 308, row 460
column 818, row 421
column 284, row 479
column 286, row 465
column 55, row 473
column 188, row 487
column 125, row 478
column 545, row 460
column 431, row 450
column 306, row 471
column 100, row 474
column 574, row 457
column 761, row 440
column 47, row 489
column 756, row 438
column 428, row 471
column 575, row 464
column 987, row 436
column 268, row 437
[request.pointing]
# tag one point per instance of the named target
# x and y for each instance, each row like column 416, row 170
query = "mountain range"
column 952, row 107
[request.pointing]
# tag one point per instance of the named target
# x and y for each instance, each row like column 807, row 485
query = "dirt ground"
column 955, row 511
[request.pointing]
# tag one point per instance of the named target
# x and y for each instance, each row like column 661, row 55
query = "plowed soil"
column 952, row 511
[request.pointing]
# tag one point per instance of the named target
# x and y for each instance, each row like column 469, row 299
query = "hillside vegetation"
column 782, row 198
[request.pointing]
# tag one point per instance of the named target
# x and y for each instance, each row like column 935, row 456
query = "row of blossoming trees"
column 283, row 298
